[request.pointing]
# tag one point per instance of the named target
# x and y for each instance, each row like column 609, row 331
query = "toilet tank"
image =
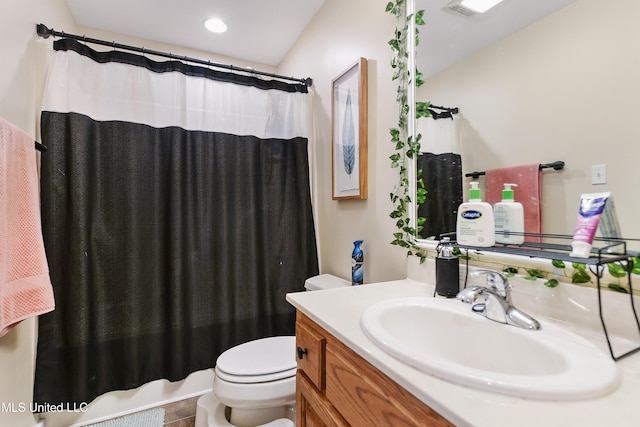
column 325, row 281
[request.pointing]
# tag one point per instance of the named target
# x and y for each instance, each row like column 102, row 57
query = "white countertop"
column 339, row 312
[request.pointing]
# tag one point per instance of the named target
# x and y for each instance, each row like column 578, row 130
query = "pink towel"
column 528, row 192
column 25, row 286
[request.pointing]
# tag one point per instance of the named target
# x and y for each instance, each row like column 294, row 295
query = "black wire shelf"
column 557, row 247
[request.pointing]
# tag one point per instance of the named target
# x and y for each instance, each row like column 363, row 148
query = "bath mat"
column 150, row 418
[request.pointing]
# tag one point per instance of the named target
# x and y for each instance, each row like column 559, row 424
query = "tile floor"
column 181, row 413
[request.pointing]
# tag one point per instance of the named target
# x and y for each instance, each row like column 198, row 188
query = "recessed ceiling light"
column 479, row 6
column 215, row 25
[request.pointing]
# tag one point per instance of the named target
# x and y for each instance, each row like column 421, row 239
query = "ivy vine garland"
column 406, row 147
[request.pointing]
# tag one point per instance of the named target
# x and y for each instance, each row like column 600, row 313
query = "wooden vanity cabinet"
column 337, row 387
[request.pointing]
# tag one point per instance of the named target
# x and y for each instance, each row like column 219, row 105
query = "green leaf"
column 579, row 266
column 616, row 270
column 404, row 244
column 536, row 274
column 580, row 276
column 420, row 17
column 558, row 263
column 389, row 7
column 617, row 288
column 409, row 230
column 552, row 283
column 419, row 78
column 510, row 271
column 422, row 109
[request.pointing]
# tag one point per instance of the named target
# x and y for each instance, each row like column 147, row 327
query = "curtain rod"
column 447, row 114
column 558, row 165
column 44, row 32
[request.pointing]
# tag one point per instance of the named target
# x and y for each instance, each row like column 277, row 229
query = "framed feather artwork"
column 349, row 132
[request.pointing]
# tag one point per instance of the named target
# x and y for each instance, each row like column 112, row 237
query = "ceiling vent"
column 456, row 6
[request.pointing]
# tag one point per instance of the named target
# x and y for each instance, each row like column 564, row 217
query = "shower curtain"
column 176, row 215
column 441, row 165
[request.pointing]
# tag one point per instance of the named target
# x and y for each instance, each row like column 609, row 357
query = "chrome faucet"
column 496, row 301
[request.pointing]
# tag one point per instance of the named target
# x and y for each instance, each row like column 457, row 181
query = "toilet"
column 255, row 382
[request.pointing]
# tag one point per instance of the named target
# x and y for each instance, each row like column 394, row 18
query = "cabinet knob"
column 301, row 352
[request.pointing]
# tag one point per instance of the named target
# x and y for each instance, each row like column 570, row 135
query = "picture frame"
column 349, row 119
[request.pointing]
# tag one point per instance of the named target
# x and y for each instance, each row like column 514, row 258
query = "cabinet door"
column 312, row 408
column 310, row 343
column 364, row 396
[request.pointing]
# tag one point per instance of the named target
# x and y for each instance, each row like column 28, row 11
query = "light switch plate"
column 599, row 174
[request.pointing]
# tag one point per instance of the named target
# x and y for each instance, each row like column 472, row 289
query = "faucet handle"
column 468, row 295
column 497, row 281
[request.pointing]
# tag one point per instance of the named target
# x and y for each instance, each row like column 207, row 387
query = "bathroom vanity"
column 344, row 378
column 336, row 387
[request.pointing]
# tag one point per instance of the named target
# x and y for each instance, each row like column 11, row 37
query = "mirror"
column 536, row 82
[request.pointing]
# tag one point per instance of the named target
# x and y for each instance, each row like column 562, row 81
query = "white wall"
column 564, row 88
column 340, row 33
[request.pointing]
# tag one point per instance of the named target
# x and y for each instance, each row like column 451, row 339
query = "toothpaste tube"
column 592, row 206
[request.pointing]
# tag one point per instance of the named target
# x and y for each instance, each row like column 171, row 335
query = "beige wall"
column 19, row 90
column 564, row 88
column 340, row 33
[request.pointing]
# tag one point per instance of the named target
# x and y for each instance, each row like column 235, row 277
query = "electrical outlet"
column 599, row 174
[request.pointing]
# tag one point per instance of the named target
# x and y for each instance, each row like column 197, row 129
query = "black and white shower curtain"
column 176, row 215
column 441, row 165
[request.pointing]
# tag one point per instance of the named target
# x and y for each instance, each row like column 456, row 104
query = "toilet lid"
column 266, row 359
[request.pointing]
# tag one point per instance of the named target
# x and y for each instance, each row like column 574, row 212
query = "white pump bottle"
column 509, row 218
column 475, row 225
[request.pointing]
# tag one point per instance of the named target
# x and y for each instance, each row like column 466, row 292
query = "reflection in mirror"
column 441, row 166
column 560, row 83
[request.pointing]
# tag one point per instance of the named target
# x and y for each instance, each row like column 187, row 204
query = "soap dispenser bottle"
column 447, row 270
column 475, row 224
column 509, row 218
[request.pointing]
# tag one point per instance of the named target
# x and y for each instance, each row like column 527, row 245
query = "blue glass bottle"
column 357, row 263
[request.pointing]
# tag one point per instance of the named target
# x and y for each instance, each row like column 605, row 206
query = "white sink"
column 446, row 339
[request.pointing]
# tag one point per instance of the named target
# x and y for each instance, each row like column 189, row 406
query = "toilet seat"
column 262, row 360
